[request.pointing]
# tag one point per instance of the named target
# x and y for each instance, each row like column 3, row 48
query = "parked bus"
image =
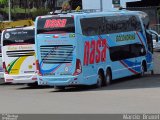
column 18, row 55
column 11, row 24
column 91, row 48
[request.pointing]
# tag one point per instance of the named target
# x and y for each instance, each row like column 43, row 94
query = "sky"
column 107, row 4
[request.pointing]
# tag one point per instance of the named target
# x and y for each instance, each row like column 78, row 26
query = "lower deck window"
column 126, row 51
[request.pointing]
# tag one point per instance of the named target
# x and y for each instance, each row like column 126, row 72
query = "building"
column 143, row 3
column 89, row 4
column 151, row 7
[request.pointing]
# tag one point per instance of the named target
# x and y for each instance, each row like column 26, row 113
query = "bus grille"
column 20, row 53
column 56, row 54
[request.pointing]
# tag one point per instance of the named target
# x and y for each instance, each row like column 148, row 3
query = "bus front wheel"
column 108, row 77
column 142, row 70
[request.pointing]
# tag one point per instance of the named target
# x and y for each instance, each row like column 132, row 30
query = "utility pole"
column 9, row 10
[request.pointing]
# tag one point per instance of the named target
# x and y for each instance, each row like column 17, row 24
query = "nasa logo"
column 95, row 51
column 55, row 23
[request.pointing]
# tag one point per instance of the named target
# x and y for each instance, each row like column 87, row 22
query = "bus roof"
column 94, row 13
column 20, row 28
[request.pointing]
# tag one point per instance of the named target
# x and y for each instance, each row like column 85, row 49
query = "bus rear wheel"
column 99, row 80
column 35, row 84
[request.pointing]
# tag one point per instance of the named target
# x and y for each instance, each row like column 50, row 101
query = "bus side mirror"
column 157, row 38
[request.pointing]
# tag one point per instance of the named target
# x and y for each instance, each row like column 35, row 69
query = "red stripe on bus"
column 106, row 41
column 139, row 38
column 125, row 65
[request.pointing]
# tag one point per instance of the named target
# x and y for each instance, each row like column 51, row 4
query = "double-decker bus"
column 18, row 55
column 91, row 48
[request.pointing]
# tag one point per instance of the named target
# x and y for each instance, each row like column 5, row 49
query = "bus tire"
column 142, row 70
column 108, row 77
column 35, row 84
column 99, row 80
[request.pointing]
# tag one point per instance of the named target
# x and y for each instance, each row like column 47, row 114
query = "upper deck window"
column 109, row 24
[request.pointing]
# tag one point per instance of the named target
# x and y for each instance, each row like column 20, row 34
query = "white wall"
column 91, row 4
column 107, row 4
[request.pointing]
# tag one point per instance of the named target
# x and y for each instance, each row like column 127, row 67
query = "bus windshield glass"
column 18, row 37
column 55, row 25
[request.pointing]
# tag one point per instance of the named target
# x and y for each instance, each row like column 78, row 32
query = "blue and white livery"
column 91, row 48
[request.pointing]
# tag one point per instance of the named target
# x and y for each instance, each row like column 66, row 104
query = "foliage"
column 40, row 11
column 18, row 10
column 21, row 9
column 21, row 13
column 3, row 1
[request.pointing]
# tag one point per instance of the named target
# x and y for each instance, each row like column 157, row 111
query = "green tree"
column 3, row 1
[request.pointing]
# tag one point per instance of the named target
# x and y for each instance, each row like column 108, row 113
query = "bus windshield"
column 55, row 25
column 18, row 37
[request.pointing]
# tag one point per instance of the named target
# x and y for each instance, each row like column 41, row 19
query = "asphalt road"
column 129, row 95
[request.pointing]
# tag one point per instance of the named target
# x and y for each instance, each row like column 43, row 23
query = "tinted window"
column 91, row 26
column 126, row 51
column 109, row 24
column 18, row 37
column 56, row 25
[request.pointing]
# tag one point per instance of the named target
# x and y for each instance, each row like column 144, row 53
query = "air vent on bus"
column 20, row 53
column 56, row 54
